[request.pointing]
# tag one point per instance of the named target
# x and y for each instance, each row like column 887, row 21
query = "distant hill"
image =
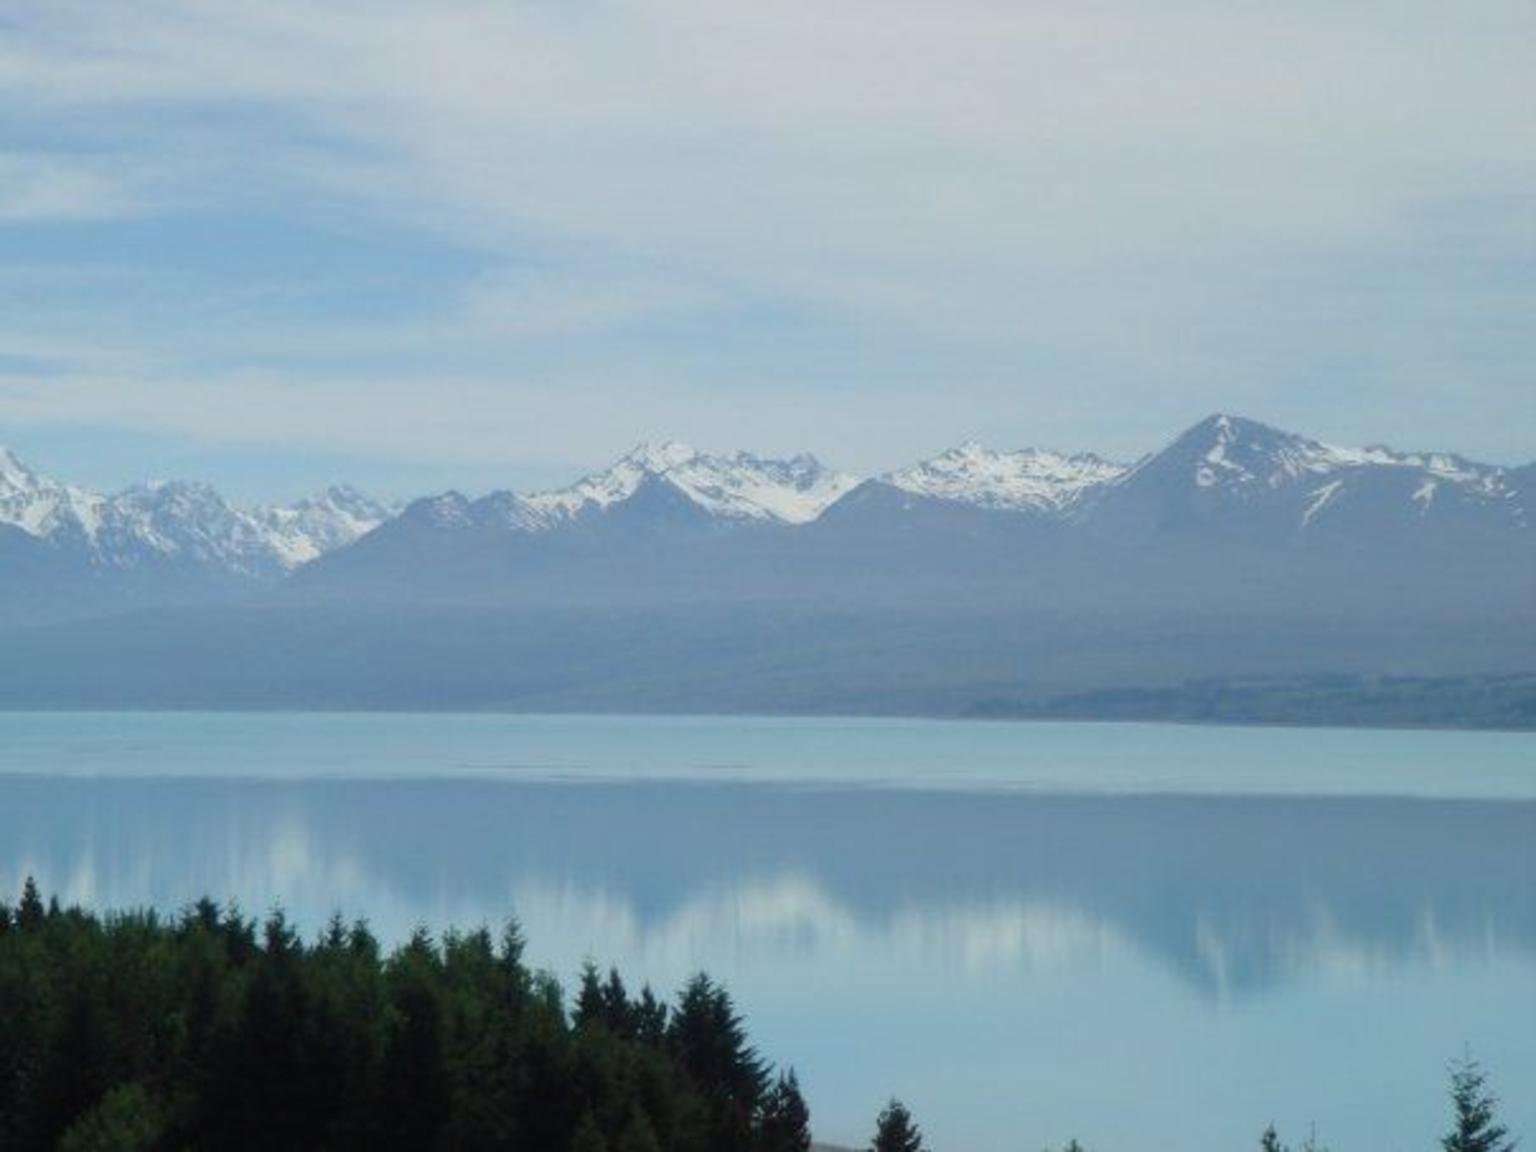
column 1380, row 702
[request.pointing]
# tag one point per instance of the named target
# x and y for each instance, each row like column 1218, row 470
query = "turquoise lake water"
column 1138, row 935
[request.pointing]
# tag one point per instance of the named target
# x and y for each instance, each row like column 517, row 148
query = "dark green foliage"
column 29, row 913
column 129, row 1033
column 786, row 1121
column 589, row 1000
column 895, row 1132
column 727, row 1079
column 1476, row 1127
column 126, row 1119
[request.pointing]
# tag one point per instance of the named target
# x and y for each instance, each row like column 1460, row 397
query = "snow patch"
column 739, row 487
column 167, row 520
column 1237, row 457
column 1027, row 480
column 1319, row 500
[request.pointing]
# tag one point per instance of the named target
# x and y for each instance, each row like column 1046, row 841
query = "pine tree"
column 710, row 1043
column 785, row 1125
column 617, row 1012
column 1270, row 1141
column 895, row 1132
column 1476, row 1126
column 589, row 1001
column 414, row 1074
column 650, row 1018
column 30, row 912
column 275, row 1042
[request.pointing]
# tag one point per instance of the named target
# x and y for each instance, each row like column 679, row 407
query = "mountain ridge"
column 675, row 580
column 1231, row 512
column 176, row 520
column 1226, row 453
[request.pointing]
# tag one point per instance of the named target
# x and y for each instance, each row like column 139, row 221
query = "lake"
column 1141, row 936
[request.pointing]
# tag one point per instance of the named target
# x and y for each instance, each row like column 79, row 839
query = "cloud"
column 558, row 301
column 38, row 187
column 1083, row 221
column 514, row 424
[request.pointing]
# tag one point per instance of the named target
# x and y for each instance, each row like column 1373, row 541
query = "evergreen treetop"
column 786, row 1121
column 895, row 1131
column 1475, row 1123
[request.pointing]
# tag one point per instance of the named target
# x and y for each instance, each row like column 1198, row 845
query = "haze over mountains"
column 680, row 579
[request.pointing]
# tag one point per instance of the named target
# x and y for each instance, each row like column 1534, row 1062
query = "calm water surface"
column 1142, row 936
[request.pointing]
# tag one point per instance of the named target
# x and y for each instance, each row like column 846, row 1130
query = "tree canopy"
column 210, row 1030
column 1475, row 1127
column 135, row 1033
column 895, row 1131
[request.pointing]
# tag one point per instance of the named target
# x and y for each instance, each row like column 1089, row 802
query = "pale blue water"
column 929, row 754
column 1142, row 936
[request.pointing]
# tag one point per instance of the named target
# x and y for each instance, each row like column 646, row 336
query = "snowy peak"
column 741, row 487
column 181, row 523
column 186, row 523
column 13, row 473
column 1230, row 451
column 333, row 519
column 194, row 522
column 1226, row 450
column 1226, row 470
column 656, row 459
column 747, row 487
column 44, row 507
column 1228, row 465
column 1030, row 480
column 602, row 490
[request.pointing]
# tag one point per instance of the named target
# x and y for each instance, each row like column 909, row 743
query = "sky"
column 416, row 246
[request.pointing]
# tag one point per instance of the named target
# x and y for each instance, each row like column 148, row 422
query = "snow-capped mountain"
column 299, row 533
column 43, row 507
column 1236, row 549
column 185, row 524
column 1030, row 480
column 739, row 487
column 1232, row 511
column 1230, row 470
column 179, row 524
column 1238, row 454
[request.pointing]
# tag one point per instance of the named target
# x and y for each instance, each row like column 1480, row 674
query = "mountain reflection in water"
column 1236, row 895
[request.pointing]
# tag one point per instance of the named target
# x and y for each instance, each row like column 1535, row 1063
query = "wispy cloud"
column 40, row 187
column 1083, row 223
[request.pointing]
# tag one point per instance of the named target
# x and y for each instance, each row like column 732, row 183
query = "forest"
column 133, row 1032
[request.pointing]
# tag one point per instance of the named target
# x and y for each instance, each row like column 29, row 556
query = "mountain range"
column 989, row 571
column 180, row 522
